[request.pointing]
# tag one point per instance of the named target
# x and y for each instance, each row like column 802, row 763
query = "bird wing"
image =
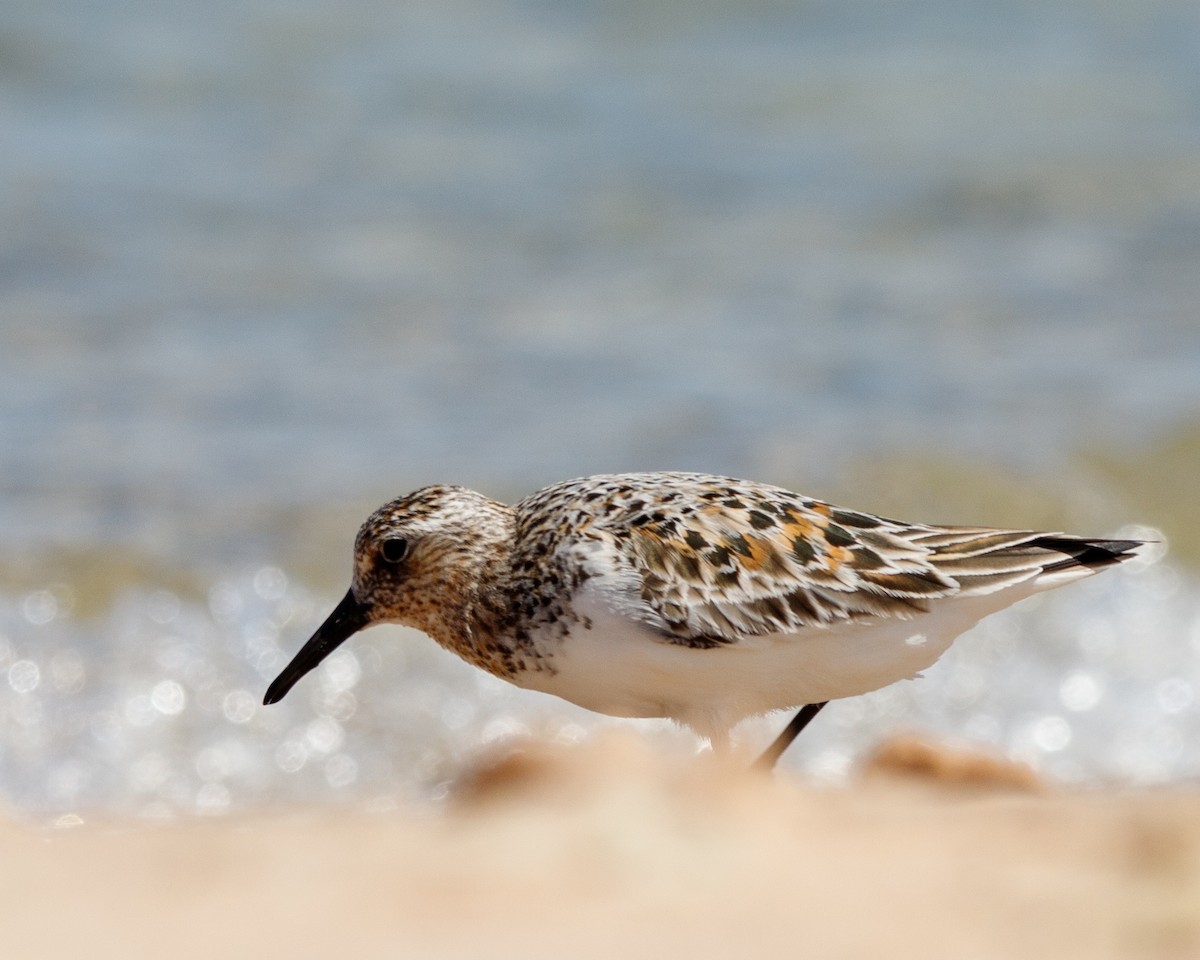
column 743, row 560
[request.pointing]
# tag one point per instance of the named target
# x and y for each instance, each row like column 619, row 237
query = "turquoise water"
column 265, row 265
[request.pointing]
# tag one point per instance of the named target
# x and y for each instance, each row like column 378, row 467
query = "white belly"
column 623, row 668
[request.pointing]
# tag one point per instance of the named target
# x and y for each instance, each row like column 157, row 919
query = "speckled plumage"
column 701, row 598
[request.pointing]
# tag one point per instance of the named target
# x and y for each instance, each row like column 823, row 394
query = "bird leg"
column 790, row 732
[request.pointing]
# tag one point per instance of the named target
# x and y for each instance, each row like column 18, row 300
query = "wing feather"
column 709, row 560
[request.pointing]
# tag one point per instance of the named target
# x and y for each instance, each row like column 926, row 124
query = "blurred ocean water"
column 263, row 265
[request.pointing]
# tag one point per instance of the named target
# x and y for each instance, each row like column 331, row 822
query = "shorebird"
column 700, row 598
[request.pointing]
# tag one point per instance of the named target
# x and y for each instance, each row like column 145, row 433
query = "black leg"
column 790, row 732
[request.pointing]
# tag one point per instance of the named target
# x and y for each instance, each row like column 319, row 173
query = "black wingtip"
column 1088, row 552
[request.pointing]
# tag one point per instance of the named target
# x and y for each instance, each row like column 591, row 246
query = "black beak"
column 347, row 619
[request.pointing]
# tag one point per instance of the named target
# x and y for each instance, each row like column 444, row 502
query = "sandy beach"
column 608, row 850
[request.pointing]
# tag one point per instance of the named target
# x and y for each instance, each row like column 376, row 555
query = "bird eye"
column 394, row 549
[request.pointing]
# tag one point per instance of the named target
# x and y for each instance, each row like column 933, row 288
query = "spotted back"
column 715, row 559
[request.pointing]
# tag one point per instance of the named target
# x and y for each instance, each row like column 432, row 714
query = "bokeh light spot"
column 168, row 698
column 24, row 676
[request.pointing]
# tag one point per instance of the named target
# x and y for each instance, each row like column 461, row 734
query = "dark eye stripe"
column 394, row 549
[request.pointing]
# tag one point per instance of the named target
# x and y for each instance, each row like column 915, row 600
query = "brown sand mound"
column 608, row 850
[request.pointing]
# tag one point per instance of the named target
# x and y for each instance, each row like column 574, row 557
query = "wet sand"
column 609, row 850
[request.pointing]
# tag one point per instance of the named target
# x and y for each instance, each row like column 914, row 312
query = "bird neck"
column 474, row 608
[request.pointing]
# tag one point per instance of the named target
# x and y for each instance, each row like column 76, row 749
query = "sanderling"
column 700, row 598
